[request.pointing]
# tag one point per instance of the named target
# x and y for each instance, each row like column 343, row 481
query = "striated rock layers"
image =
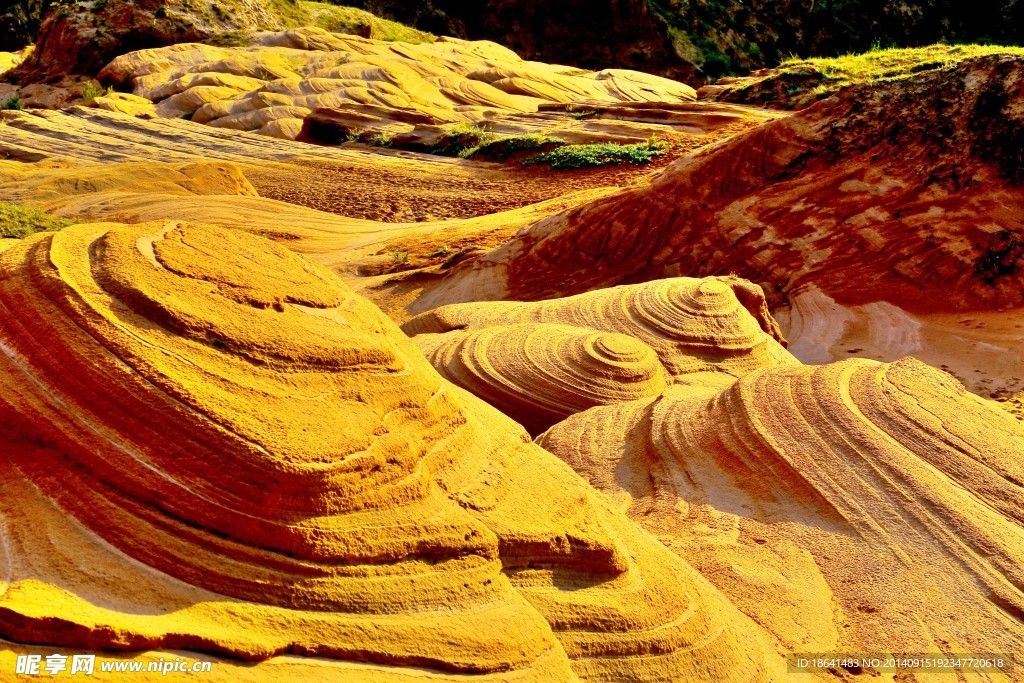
column 693, row 325
column 904, row 192
column 853, row 507
column 347, row 85
column 212, row 445
column 856, row 506
column 540, row 362
column 540, row 373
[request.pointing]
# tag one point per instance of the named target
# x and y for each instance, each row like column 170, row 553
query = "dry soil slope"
column 232, row 454
column 906, row 192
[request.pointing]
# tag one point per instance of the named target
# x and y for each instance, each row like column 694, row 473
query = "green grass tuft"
column 18, row 221
column 502, row 147
column 293, row 12
column 600, row 154
column 460, row 139
column 894, row 63
column 470, row 142
column 12, row 103
column 92, row 90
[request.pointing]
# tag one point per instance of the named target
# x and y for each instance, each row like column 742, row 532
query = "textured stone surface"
column 866, row 195
column 360, row 86
column 232, row 453
column 851, row 507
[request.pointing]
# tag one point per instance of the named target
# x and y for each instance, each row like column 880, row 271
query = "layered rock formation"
column 874, row 227
column 359, row 86
column 713, row 325
column 769, row 475
column 231, row 453
column 539, row 374
column 864, row 195
column 856, row 506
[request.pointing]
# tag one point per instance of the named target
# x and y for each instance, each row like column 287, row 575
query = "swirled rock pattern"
column 899, row 495
column 212, row 445
column 360, row 86
column 539, row 374
column 693, row 325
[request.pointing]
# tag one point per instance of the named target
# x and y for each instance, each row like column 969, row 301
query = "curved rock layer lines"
column 539, row 374
column 231, row 453
column 694, row 325
column 900, row 495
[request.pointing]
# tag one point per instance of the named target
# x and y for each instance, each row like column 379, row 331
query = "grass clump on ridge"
column 460, row 139
column 820, row 77
column 17, row 222
column 293, row 12
column 600, row 154
column 339, row 19
column 92, row 90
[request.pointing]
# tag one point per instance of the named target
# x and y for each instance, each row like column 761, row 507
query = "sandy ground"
column 418, row 190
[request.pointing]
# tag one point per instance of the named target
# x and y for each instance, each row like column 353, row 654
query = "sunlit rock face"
column 768, row 475
column 331, row 87
column 212, row 445
column 693, row 325
column 854, row 506
column 540, row 373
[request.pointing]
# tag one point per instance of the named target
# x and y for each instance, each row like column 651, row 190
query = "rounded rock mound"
column 693, row 325
column 539, row 374
column 232, row 454
column 326, row 87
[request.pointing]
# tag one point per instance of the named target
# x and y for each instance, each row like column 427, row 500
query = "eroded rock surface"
column 853, row 506
column 693, row 325
column 231, row 453
column 898, row 193
column 79, row 39
column 332, row 87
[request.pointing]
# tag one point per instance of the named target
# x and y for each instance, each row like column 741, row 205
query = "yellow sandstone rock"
column 212, row 445
column 693, row 325
column 539, row 374
column 313, row 69
column 897, row 493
